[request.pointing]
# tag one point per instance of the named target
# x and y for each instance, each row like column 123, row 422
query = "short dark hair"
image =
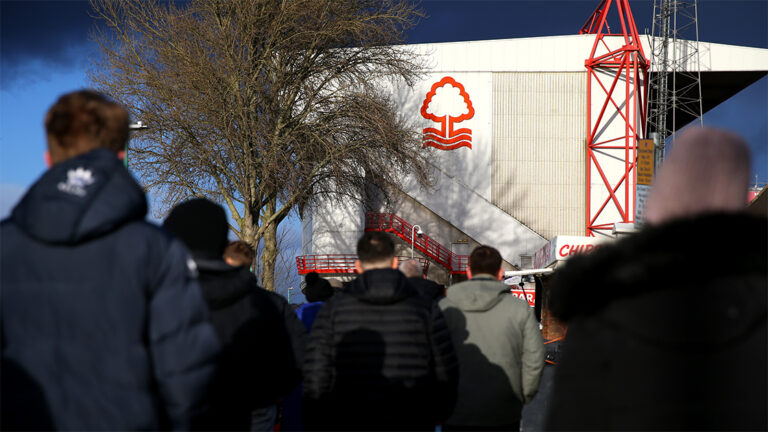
column 485, row 259
column 375, row 246
column 240, row 252
column 89, row 117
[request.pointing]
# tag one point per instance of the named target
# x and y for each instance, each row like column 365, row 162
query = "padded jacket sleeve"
column 446, row 365
column 289, row 348
column 297, row 332
column 533, row 356
column 182, row 342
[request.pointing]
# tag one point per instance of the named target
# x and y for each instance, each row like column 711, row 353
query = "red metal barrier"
column 326, row 263
column 337, row 264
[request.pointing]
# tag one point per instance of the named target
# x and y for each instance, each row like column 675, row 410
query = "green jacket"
column 500, row 350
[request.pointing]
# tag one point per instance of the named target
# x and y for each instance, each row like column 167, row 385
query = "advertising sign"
column 562, row 247
column 528, row 294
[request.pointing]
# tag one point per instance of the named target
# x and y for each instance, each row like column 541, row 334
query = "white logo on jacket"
column 77, row 180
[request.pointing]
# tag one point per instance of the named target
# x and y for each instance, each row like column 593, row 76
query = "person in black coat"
column 667, row 329
column 379, row 355
column 102, row 317
column 262, row 339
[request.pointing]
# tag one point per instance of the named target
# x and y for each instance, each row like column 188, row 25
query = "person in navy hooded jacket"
column 100, row 309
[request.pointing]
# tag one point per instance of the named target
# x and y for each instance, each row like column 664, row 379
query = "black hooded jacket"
column 379, row 356
column 101, row 309
column 263, row 344
column 666, row 330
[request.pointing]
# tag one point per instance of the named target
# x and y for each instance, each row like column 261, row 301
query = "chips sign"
column 562, row 247
column 645, row 156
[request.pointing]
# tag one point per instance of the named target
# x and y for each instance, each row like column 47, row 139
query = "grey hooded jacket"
column 500, row 349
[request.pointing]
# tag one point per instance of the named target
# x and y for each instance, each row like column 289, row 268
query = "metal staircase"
column 390, row 222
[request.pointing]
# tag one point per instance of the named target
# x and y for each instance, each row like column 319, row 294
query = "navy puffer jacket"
column 379, row 356
column 100, row 308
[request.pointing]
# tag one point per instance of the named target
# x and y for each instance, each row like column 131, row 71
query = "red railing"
column 326, row 263
column 390, row 222
column 337, row 264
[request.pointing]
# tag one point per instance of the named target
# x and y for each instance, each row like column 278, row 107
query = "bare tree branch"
column 260, row 104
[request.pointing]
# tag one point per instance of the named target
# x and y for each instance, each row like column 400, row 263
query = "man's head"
column 706, row 171
column 412, row 268
column 82, row 121
column 485, row 260
column 202, row 226
column 239, row 253
column 316, row 288
column 375, row 250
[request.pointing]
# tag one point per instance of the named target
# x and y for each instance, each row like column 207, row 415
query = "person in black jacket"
column 263, row 340
column 101, row 311
column 379, row 355
column 661, row 336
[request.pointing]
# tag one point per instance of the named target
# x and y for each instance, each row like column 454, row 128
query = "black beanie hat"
column 201, row 225
column 317, row 289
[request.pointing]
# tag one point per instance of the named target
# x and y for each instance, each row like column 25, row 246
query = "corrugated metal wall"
column 539, row 130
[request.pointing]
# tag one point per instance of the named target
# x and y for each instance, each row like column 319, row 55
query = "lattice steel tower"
column 674, row 98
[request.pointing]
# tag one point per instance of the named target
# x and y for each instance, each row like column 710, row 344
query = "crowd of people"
column 112, row 323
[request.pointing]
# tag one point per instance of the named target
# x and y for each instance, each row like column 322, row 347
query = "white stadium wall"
column 505, row 122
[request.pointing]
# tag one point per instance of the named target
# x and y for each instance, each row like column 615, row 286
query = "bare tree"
column 260, row 104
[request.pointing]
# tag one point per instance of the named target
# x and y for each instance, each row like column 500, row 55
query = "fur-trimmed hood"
column 688, row 256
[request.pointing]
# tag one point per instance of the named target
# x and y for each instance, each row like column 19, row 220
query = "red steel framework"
column 607, row 67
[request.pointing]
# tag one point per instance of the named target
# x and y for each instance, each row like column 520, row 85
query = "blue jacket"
column 308, row 312
column 100, row 308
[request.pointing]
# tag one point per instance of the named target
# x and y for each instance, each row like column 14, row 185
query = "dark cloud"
column 43, row 30
column 53, row 33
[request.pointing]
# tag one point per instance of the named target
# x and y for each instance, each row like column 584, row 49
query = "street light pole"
column 413, row 241
column 132, row 127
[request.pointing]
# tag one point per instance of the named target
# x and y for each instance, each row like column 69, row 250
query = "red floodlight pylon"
column 617, row 73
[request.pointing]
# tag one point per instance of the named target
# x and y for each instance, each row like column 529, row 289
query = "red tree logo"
column 447, row 103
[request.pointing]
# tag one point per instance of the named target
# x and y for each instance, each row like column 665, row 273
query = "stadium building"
column 532, row 138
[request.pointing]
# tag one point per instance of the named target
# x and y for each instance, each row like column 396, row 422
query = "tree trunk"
column 269, row 253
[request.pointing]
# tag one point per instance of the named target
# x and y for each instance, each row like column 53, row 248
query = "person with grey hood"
column 499, row 346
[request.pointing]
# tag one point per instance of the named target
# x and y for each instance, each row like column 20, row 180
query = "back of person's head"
column 201, row 225
column 707, row 170
column 239, row 253
column 317, row 288
column 376, row 250
column 82, row 121
column 412, row 268
column 486, row 260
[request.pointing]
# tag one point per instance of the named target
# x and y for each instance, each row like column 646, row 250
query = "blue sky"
column 44, row 51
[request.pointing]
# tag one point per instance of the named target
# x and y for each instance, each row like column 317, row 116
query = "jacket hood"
column 471, row 296
column 81, row 198
column 381, row 286
column 711, row 268
column 223, row 284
